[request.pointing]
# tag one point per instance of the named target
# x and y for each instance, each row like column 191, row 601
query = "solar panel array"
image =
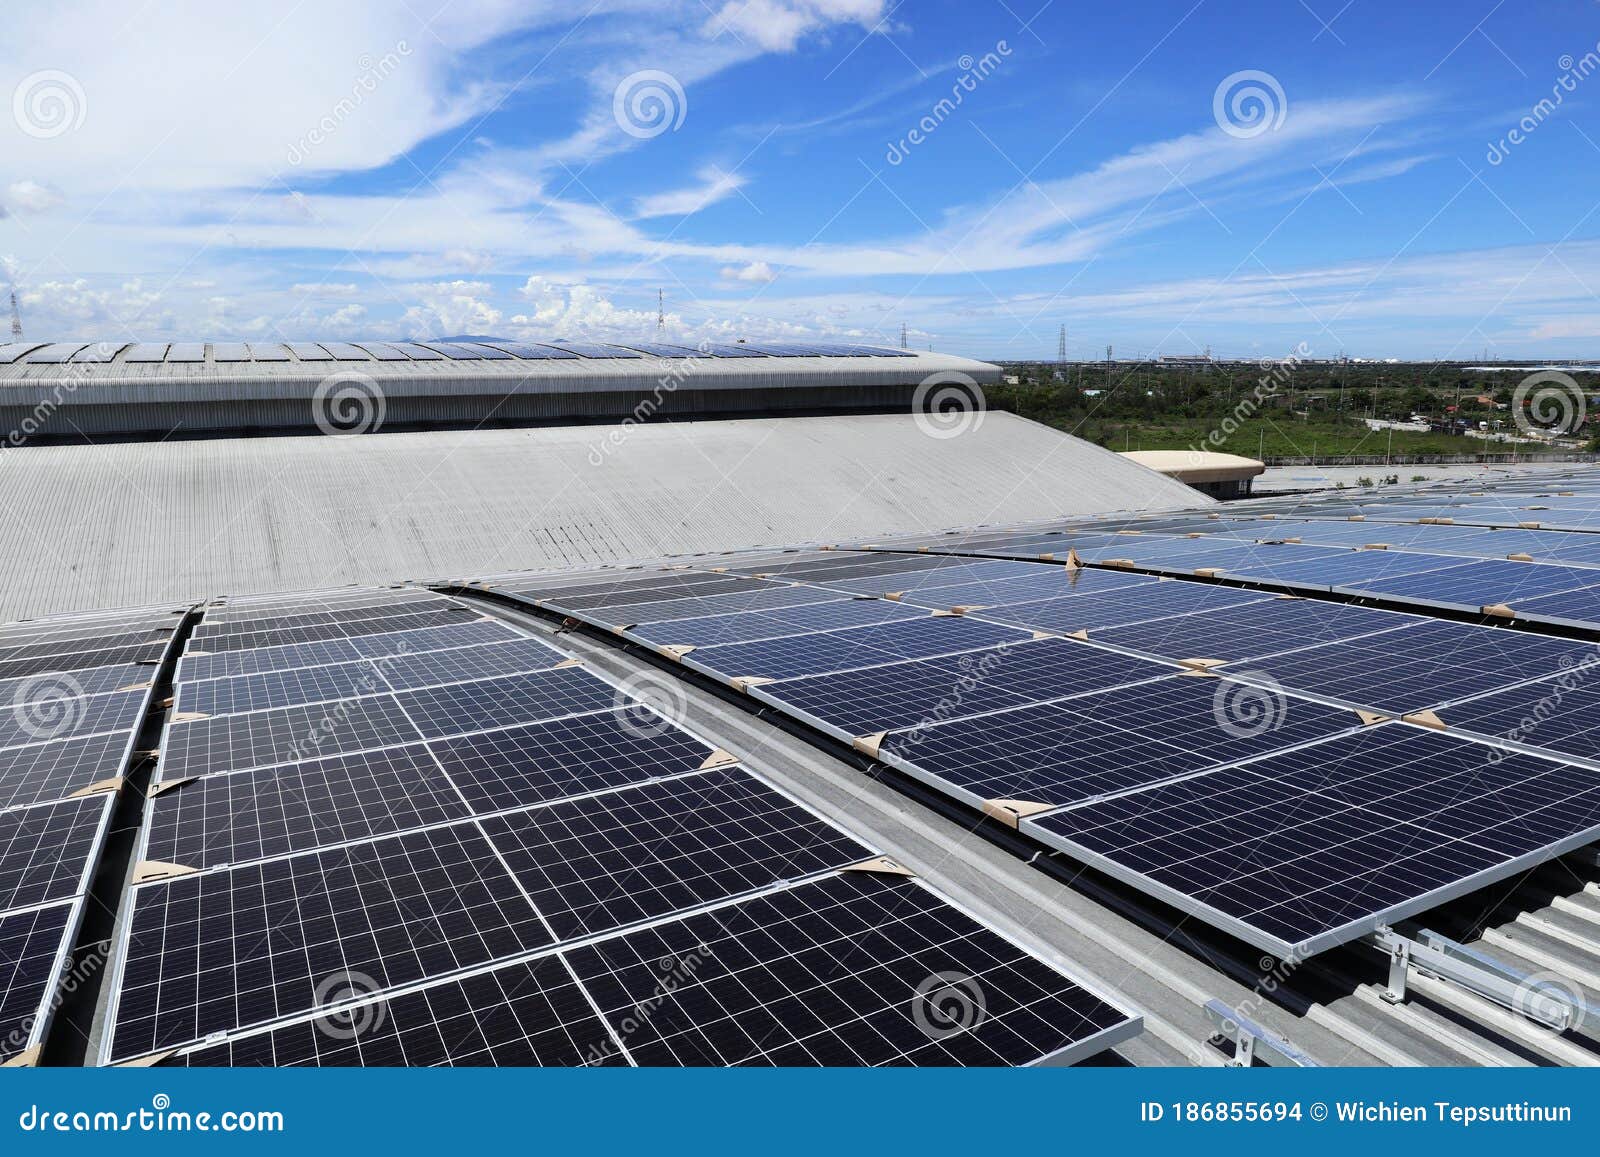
column 1119, row 689
column 78, row 689
column 386, row 829
column 236, row 353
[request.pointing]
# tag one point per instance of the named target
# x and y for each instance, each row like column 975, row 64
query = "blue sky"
column 981, row 172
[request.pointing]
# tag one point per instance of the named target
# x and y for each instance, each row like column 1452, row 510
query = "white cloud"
column 325, row 289
column 714, row 186
column 30, row 197
column 758, row 272
column 451, row 307
column 778, row 25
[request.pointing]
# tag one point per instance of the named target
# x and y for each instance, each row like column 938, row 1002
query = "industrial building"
column 804, row 720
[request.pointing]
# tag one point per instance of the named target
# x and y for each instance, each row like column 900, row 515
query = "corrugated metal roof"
column 144, row 522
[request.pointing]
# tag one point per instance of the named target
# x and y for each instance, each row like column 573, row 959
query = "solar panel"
column 283, row 735
column 1311, row 848
column 55, row 353
column 89, row 681
column 383, row 351
column 532, row 352
column 480, row 662
column 663, row 350
column 529, row 698
column 756, row 596
column 1132, row 604
column 294, row 687
column 230, row 351
column 62, row 712
column 837, row 972
column 346, row 352
column 231, row 948
column 455, row 351
column 275, row 811
column 1478, row 584
column 520, row 766
column 855, row 647
column 48, row 851
column 186, row 351
column 416, row 352
column 103, row 351
column 619, row 858
column 1108, row 741
column 1560, row 714
column 280, row 658
column 1252, row 629
column 147, row 352
column 927, row 691
column 309, row 351
column 32, row 952
column 526, row 1014
column 14, row 351
column 268, row 352
column 487, row 350
column 754, row 625
column 1424, row 664
column 1579, row 608
column 596, row 350
column 55, row 770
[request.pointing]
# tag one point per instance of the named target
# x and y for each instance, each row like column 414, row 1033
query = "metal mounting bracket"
column 1555, row 1005
column 1252, row 1040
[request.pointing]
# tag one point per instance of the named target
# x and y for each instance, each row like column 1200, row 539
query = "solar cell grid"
column 283, row 735
column 1075, row 749
column 1477, row 584
column 300, row 685
column 927, row 691
column 219, row 623
column 47, row 851
column 55, row 770
column 681, row 587
column 519, row 766
column 65, row 714
column 1430, row 662
column 147, row 653
column 758, row 597
column 435, row 667
column 1045, row 583
column 828, row 973
column 525, row 1014
column 753, row 625
column 855, row 647
column 353, row 629
column 1253, row 629
column 458, row 708
column 398, row 643
column 623, row 857
column 30, row 952
column 1317, row 846
column 1124, row 605
column 222, row 950
column 253, row 815
column 67, row 650
column 87, row 680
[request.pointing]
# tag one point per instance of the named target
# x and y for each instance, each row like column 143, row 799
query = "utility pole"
column 661, row 313
column 16, row 318
column 1108, row 353
column 1061, row 346
column 904, row 343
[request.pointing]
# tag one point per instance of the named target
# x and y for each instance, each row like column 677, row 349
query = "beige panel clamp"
column 1201, row 664
column 1012, row 812
column 676, row 650
column 187, row 716
column 1130, row 532
column 1374, row 546
column 1214, row 516
column 1356, row 518
column 1120, row 563
column 945, row 613
column 745, row 682
column 721, row 757
column 1081, row 634
column 880, row 864
column 146, row 1062
column 1368, row 718
column 565, row 663
column 1209, row 571
column 719, row 570
column 1436, row 521
column 161, row 787
column 1037, row 635
column 1528, row 525
column 1425, row 719
column 190, row 654
column 1520, row 556
column 26, row 1059
column 894, row 596
column 869, row 744
column 829, row 547
column 1296, row 598
column 113, row 784
column 1073, row 561
column 135, row 687
column 1499, row 611
column 148, row 871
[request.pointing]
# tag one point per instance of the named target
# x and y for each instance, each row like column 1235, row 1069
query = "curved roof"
column 1197, row 465
column 140, row 522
